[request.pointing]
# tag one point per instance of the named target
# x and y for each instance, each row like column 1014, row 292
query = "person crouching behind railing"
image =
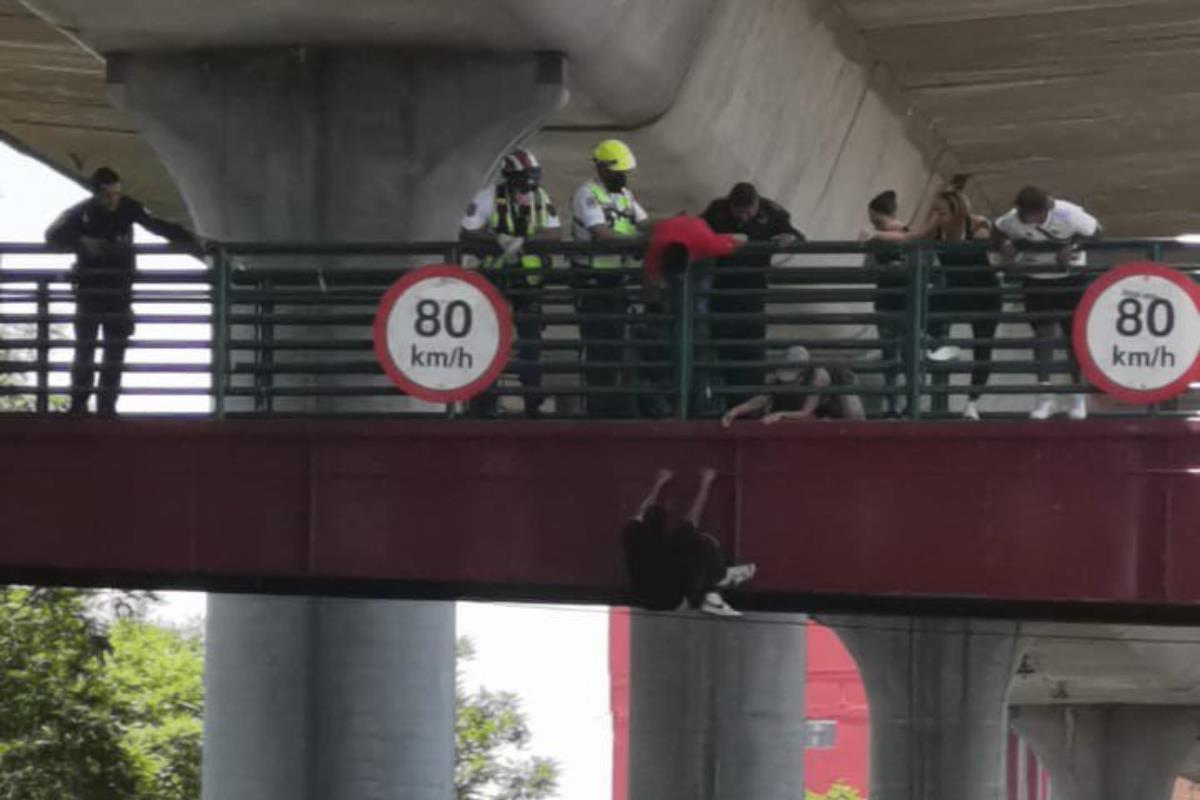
column 797, row 393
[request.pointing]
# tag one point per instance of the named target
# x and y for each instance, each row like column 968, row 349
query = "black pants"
column 113, row 315
column 895, row 354
column 529, row 354
column 1063, row 296
column 605, row 294
column 704, row 564
column 987, row 300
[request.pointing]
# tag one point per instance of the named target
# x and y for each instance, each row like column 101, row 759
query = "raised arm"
column 661, row 479
column 707, row 476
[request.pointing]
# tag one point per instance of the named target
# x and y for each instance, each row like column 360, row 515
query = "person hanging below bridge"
column 100, row 231
column 676, row 567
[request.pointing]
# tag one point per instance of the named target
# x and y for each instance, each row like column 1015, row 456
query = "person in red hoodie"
column 675, row 244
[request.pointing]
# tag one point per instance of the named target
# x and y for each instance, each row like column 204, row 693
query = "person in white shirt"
column 1058, row 288
column 604, row 209
column 509, row 213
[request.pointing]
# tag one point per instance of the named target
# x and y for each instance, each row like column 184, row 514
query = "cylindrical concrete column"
column 716, row 707
column 1110, row 752
column 311, row 699
column 936, row 689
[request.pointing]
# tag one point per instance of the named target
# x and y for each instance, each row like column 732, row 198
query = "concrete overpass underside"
column 1094, row 98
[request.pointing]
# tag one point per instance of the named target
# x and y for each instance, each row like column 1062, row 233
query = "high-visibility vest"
column 504, row 220
column 619, row 215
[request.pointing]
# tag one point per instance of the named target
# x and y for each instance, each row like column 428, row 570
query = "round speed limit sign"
column 443, row 334
column 1137, row 332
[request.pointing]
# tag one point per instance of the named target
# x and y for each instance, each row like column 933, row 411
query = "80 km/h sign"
column 1137, row 332
column 443, row 334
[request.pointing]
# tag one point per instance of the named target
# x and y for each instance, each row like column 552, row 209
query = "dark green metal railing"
column 284, row 329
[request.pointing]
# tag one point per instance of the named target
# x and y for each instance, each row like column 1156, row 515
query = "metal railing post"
column 683, row 316
column 264, row 378
column 42, row 401
column 915, row 311
column 220, row 335
column 1152, row 409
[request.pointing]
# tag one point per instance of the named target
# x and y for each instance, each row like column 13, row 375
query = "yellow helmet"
column 614, row 155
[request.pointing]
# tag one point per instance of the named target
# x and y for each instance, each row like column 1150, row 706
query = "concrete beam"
column 1111, row 752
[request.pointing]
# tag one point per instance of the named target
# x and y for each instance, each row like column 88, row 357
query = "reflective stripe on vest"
column 508, row 224
column 620, row 218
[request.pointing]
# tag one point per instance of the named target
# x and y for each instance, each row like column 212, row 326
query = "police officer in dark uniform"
column 100, row 230
column 757, row 219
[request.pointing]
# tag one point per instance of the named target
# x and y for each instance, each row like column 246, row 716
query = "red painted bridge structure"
column 1089, row 519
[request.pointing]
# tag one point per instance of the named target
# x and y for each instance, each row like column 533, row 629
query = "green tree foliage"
column 157, row 673
column 59, row 735
column 95, row 711
column 492, row 736
column 98, row 704
column 838, row 791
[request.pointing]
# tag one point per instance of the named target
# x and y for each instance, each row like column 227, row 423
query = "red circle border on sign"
column 1091, row 371
column 499, row 305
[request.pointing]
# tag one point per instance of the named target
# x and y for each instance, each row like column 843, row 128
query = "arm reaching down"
column 707, row 477
column 821, row 380
column 755, row 404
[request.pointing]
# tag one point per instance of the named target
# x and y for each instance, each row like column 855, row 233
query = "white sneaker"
column 715, row 604
column 1047, row 407
column 947, row 352
column 737, row 575
column 1079, row 409
column 971, row 412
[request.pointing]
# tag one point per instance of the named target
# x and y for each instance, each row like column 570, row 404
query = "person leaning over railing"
column 894, row 289
column 952, row 221
column 744, row 213
column 676, row 244
column 100, row 231
column 513, row 211
column 1037, row 217
column 796, row 394
column 604, row 209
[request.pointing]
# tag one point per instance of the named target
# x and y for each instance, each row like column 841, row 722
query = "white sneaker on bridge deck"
column 1047, row 407
column 715, row 604
column 971, row 412
column 1079, row 407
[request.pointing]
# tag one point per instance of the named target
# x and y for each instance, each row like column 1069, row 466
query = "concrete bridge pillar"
column 716, row 707
column 315, row 699
column 936, row 689
column 1110, row 752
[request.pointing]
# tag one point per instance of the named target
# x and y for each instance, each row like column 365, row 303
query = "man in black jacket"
column 100, row 230
column 757, row 219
